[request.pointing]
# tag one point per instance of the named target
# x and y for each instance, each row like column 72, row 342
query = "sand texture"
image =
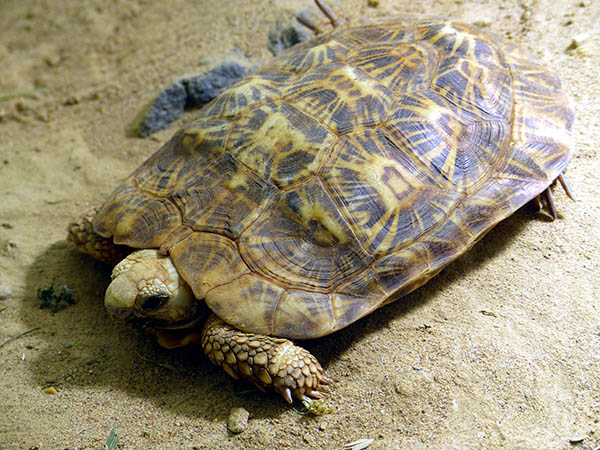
column 501, row 350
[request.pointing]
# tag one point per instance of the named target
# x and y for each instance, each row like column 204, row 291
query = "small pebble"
column 373, row 3
column 237, row 420
column 577, row 439
column 5, row 292
column 50, row 390
column 482, row 21
column 577, row 42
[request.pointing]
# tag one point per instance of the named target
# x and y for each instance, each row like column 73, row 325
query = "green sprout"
column 49, row 298
column 313, row 408
column 112, row 440
column 17, row 94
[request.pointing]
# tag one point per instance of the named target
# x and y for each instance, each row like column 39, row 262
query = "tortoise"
column 335, row 179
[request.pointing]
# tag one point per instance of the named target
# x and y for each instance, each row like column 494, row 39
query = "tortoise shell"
column 346, row 173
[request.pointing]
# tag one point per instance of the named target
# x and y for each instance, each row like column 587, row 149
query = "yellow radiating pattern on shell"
column 239, row 179
column 381, row 173
column 327, row 231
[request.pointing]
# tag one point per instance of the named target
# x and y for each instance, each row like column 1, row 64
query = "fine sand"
column 501, row 350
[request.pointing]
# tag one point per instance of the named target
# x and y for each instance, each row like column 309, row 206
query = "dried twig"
column 14, row 338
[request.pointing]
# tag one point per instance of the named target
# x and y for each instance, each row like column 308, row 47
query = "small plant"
column 49, row 298
column 313, row 408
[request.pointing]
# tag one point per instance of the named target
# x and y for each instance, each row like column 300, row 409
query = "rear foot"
column 546, row 202
column 269, row 362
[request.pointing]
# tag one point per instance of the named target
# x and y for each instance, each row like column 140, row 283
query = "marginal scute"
column 303, row 315
column 481, row 211
column 448, row 241
column 357, row 297
column 398, row 271
column 526, row 164
column 247, row 303
column 543, row 112
column 135, row 219
column 207, row 260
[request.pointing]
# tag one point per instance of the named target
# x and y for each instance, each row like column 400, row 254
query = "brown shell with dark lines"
column 346, row 173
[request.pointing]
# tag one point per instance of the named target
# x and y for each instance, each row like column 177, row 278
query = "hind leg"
column 82, row 234
column 545, row 201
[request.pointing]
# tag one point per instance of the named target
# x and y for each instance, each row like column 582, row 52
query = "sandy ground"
column 502, row 350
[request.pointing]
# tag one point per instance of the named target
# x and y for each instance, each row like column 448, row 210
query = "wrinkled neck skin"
column 147, row 289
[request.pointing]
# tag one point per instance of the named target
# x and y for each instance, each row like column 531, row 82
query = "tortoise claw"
column 565, row 185
column 545, row 200
column 287, row 395
column 549, row 203
column 315, row 395
column 328, row 13
column 326, row 381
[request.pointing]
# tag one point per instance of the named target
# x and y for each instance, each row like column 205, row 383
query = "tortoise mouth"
column 150, row 324
column 178, row 326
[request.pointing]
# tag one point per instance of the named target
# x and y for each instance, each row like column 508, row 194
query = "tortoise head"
column 147, row 288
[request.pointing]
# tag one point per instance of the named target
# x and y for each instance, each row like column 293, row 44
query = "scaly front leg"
column 82, row 234
column 268, row 362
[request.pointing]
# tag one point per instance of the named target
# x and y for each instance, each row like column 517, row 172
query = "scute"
column 389, row 197
column 303, row 57
column 280, row 143
column 303, row 241
column 402, row 67
column 340, row 96
column 207, row 261
column 347, row 172
column 456, row 145
column 135, row 219
column 225, row 200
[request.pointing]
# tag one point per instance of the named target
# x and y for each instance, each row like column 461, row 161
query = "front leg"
column 269, row 362
column 81, row 232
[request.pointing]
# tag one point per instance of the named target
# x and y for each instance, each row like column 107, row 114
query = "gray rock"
column 189, row 92
column 283, row 36
column 167, row 108
column 202, row 89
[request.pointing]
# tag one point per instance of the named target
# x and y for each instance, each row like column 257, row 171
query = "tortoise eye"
column 153, row 302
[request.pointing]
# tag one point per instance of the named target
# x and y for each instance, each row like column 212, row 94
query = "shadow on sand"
column 86, row 349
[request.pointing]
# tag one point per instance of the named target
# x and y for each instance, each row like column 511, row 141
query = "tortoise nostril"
column 153, row 302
